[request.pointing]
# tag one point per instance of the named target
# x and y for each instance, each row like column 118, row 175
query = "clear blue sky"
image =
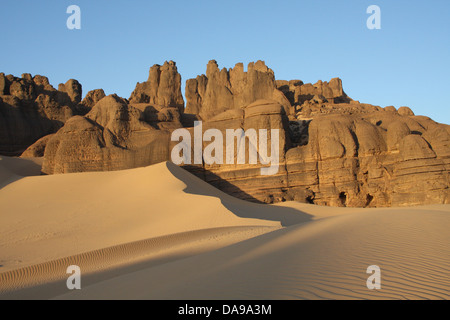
column 407, row 62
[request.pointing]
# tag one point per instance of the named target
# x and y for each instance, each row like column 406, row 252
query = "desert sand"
column 158, row 232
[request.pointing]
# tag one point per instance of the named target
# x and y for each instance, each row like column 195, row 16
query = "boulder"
column 396, row 131
column 413, row 147
column 390, row 109
column 37, row 149
column 92, row 97
column 405, row 111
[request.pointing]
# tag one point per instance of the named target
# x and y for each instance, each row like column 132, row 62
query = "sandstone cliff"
column 163, row 87
column 333, row 150
column 221, row 90
column 112, row 136
column 31, row 108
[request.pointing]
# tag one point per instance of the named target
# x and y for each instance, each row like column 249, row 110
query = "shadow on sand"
column 14, row 168
column 241, row 208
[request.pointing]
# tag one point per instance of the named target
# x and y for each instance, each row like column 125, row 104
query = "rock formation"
column 112, row 136
column 31, row 108
column 297, row 92
column 73, row 89
column 333, row 150
column 221, row 90
column 163, row 87
column 372, row 159
column 376, row 159
column 37, row 149
column 245, row 180
column 91, row 98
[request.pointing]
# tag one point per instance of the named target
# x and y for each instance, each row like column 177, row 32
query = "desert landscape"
column 159, row 232
column 164, row 174
column 358, row 185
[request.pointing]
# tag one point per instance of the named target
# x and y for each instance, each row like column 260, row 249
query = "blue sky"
column 407, row 62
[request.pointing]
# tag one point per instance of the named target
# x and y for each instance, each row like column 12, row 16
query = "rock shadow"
column 241, row 208
column 13, row 169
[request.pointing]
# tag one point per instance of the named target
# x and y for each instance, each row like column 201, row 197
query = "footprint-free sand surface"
column 161, row 233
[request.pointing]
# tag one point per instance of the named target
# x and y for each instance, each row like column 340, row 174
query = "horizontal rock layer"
column 332, row 149
column 375, row 160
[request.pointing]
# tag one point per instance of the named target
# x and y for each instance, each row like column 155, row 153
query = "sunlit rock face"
column 332, row 149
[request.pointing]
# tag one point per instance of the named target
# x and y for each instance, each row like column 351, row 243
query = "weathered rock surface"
column 297, row 92
column 370, row 160
column 92, row 97
column 3, row 82
column 405, row 111
column 332, row 150
column 375, row 160
column 37, row 149
column 73, row 89
column 163, row 87
column 245, row 180
column 221, row 90
column 31, row 108
column 112, row 136
column 341, row 152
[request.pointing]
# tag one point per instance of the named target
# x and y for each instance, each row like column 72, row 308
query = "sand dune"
column 48, row 218
column 12, row 169
column 161, row 233
column 152, row 251
column 323, row 259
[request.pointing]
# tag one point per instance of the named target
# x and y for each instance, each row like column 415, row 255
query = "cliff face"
column 163, row 87
column 298, row 92
column 114, row 135
column 31, row 108
column 221, row 90
column 368, row 159
column 364, row 160
column 332, row 150
column 338, row 151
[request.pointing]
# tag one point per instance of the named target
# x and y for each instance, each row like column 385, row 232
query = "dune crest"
column 46, row 218
column 164, row 228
